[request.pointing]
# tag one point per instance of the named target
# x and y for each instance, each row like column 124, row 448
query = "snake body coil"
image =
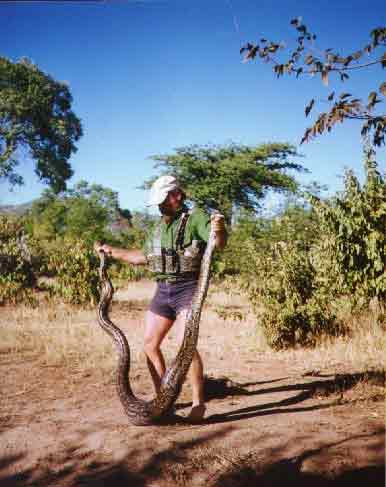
column 142, row 412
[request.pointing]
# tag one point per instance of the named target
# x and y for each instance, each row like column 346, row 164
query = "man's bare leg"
column 196, row 374
column 156, row 327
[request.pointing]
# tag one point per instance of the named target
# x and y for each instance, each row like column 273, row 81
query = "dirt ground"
column 271, row 420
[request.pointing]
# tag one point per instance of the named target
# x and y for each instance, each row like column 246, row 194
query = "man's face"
column 172, row 203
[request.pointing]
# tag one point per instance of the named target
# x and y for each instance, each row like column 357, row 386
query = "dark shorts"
column 172, row 297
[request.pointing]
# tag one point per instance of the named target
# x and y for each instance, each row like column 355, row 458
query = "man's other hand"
column 98, row 247
column 217, row 223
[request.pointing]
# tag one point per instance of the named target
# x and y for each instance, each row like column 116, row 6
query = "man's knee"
column 151, row 347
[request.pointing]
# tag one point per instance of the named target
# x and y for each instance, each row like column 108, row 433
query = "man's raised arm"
column 133, row 256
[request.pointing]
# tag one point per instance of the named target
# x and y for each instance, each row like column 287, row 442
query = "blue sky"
column 150, row 76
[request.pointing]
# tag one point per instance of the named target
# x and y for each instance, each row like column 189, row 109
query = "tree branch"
column 358, row 66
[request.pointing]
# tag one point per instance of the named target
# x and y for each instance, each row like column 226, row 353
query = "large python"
column 142, row 412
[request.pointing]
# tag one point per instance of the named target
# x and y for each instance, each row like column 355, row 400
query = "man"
column 173, row 253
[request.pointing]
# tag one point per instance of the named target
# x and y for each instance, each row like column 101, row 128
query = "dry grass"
column 198, row 462
column 57, row 335
column 362, row 349
column 249, row 381
column 65, row 336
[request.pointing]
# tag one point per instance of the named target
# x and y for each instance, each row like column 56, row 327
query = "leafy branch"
column 302, row 61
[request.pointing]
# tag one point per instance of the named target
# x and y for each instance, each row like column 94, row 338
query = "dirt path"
column 270, row 421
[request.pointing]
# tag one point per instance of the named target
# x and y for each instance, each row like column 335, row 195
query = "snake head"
column 102, row 254
column 98, row 246
column 104, row 263
column 100, row 249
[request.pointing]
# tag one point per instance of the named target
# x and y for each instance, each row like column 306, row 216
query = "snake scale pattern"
column 138, row 411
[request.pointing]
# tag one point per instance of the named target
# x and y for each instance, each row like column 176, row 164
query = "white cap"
column 160, row 189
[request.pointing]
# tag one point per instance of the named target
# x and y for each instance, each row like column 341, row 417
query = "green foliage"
column 16, row 274
column 272, row 260
column 306, row 59
column 294, row 311
column 260, row 234
column 352, row 254
column 84, row 211
column 75, row 267
column 141, row 224
column 230, row 177
column 97, row 195
column 53, row 245
column 123, row 273
column 36, row 115
column 132, row 238
column 297, row 267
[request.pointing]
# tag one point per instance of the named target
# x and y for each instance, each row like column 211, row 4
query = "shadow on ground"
column 76, row 466
column 274, row 476
column 290, row 471
column 178, row 466
column 337, row 384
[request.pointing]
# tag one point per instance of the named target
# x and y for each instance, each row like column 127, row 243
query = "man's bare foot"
column 197, row 414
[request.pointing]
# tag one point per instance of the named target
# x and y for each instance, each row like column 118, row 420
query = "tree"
column 84, row 211
column 98, row 195
column 36, row 121
column 306, row 59
column 230, row 177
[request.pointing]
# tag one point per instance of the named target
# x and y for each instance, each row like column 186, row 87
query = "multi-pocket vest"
column 179, row 260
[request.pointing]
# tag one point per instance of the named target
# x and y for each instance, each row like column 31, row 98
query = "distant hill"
column 17, row 210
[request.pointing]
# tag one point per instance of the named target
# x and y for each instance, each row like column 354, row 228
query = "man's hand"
column 98, row 247
column 218, row 226
column 217, row 223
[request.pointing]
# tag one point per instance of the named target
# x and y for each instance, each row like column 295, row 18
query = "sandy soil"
column 271, row 420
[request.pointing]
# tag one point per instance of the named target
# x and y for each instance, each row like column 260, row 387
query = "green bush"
column 299, row 265
column 351, row 256
column 75, row 267
column 125, row 272
column 16, row 272
column 286, row 297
